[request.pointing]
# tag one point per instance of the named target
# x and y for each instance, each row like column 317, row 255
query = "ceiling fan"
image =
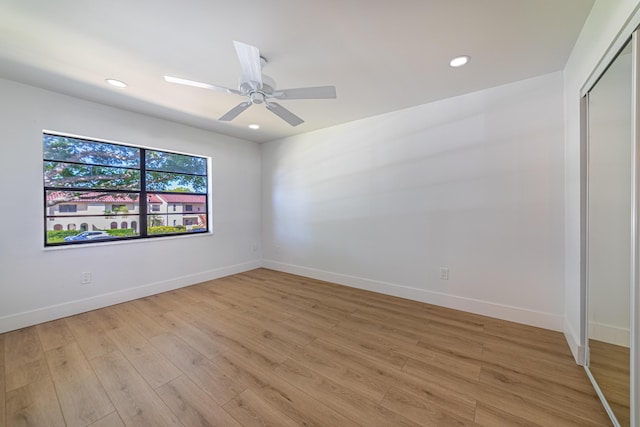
column 260, row 88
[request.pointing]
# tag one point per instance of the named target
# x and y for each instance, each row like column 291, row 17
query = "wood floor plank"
column 344, row 400
column 234, row 340
column 24, row 358
column 282, row 396
column 383, row 329
column 191, row 334
column 433, row 359
column 299, row 406
column 202, row 371
column 54, row 334
column 251, row 411
column 533, row 411
column 280, row 342
column 201, row 294
column 225, row 319
column 440, row 393
column 289, row 331
column 333, row 367
column 521, row 360
column 489, row 416
column 107, row 319
column 243, row 371
column 137, row 319
column 134, row 399
column 371, row 345
column 421, row 410
column 111, row 420
column 192, row 406
column 90, row 335
column 80, row 393
column 34, row 405
column 149, row 362
column 547, row 392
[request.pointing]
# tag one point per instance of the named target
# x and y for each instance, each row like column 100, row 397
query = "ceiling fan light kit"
column 260, row 88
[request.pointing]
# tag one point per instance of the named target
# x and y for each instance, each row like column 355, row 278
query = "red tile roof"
column 99, row 197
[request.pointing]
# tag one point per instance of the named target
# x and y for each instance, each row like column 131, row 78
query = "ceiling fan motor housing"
column 249, row 87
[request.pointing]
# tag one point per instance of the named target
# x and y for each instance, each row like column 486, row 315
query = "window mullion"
column 144, row 209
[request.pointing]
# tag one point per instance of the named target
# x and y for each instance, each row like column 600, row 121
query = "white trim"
column 610, row 334
column 485, row 308
column 634, row 362
column 45, row 314
column 575, row 345
column 612, row 51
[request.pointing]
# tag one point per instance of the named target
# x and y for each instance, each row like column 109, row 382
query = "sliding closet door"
column 610, row 230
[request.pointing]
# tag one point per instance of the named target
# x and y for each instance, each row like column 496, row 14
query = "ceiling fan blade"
column 319, row 92
column 235, row 111
column 249, row 57
column 200, row 84
column 284, row 114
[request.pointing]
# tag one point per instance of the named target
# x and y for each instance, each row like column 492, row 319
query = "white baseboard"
column 485, row 308
column 610, row 334
column 576, row 347
column 45, row 314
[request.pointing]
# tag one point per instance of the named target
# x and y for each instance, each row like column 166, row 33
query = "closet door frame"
column 630, row 31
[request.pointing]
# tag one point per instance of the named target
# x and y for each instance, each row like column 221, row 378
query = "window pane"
column 178, row 163
column 177, row 213
column 90, row 203
column 157, row 225
column 79, row 229
column 164, row 181
column 69, row 175
column 74, row 150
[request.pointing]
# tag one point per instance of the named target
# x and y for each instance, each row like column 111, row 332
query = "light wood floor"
column 270, row 349
column 610, row 366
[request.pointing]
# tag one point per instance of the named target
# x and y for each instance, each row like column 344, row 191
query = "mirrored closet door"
column 610, row 234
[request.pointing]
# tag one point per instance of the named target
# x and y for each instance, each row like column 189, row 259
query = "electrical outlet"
column 444, row 273
column 85, row 278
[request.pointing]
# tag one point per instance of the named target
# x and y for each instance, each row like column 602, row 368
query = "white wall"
column 605, row 21
column 38, row 284
column 472, row 183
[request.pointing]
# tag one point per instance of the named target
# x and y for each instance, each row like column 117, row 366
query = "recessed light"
column 116, row 83
column 254, row 126
column 459, row 61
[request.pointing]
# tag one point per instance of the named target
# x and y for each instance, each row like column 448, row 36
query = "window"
column 188, row 208
column 102, row 184
column 68, row 208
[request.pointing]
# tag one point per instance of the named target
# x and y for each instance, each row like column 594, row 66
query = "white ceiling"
column 381, row 55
